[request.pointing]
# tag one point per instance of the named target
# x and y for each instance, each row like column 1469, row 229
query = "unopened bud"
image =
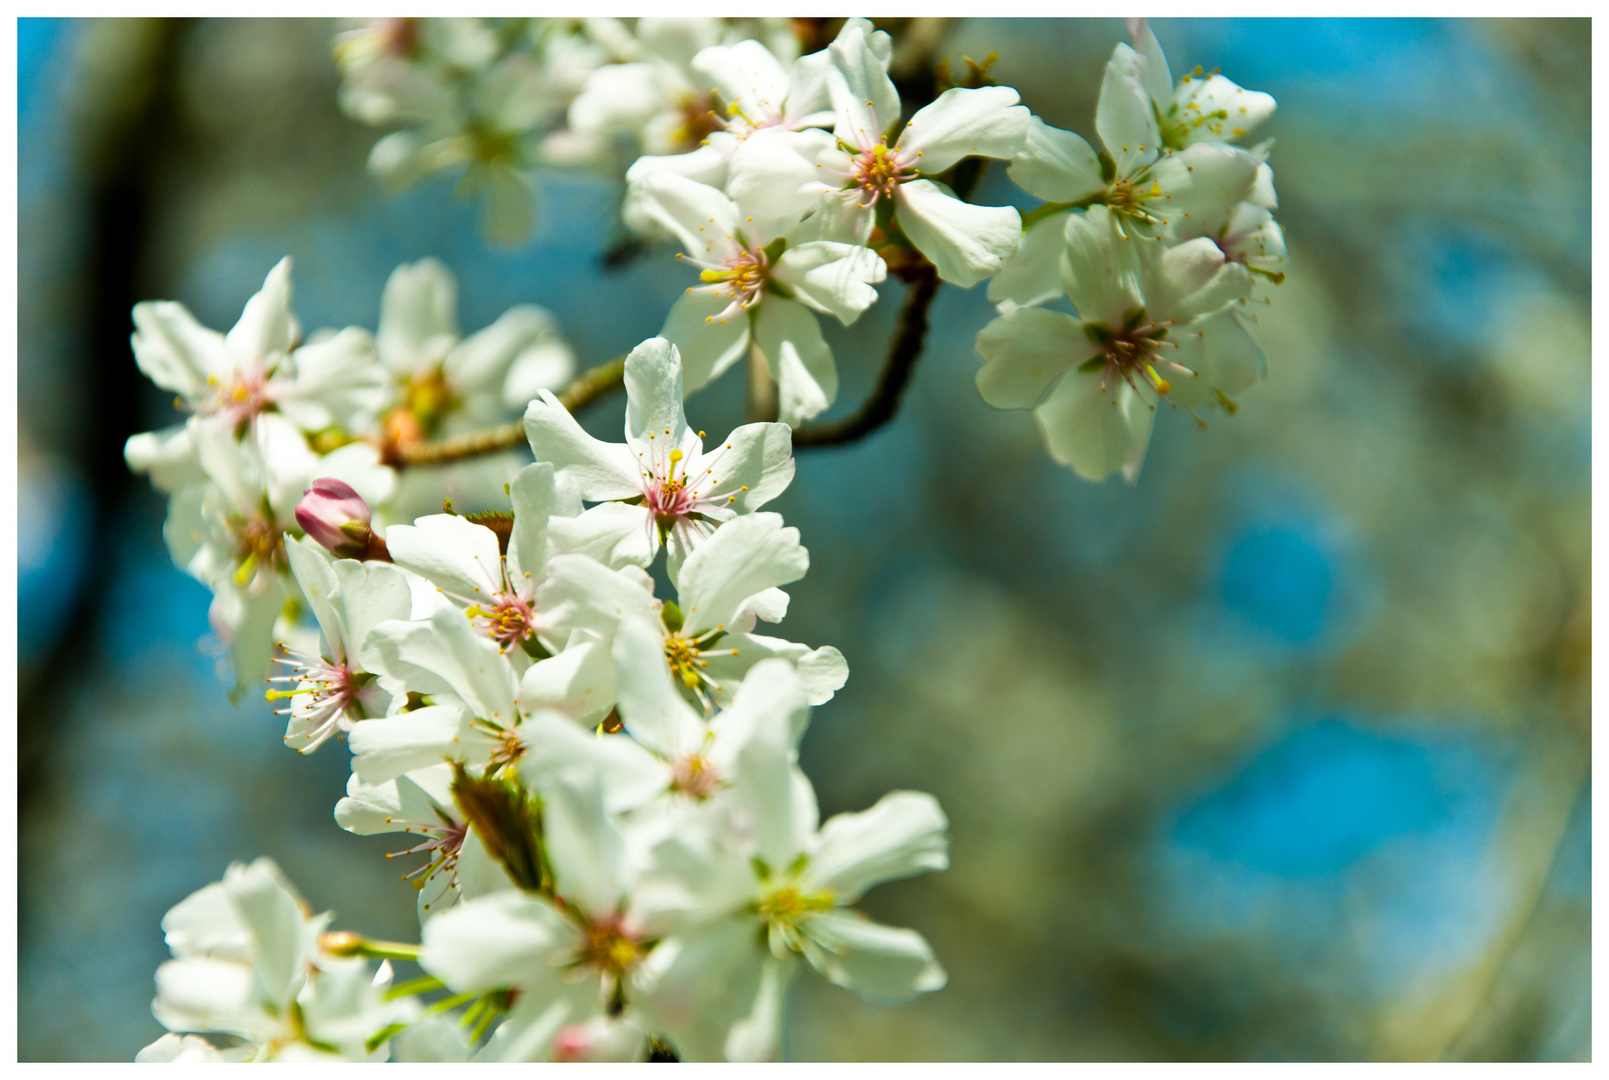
column 337, row 518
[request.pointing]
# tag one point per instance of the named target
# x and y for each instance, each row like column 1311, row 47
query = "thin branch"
column 582, row 390
column 903, row 352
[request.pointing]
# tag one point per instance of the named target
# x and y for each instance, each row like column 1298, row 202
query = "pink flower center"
column 877, row 171
column 241, row 399
column 508, row 619
column 442, row 842
column 325, row 697
column 694, row 777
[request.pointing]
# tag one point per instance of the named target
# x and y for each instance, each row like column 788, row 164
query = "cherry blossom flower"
column 1142, row 334
column 859, row 165
column 260, row 365
column 661, row 488
column 248, row 962
column 758, row 277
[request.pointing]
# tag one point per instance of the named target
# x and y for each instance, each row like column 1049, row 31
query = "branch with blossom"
column 616, row 853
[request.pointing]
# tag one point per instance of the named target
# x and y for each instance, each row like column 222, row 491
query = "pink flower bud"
column 336, row 517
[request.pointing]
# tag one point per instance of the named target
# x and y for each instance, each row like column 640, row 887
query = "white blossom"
column 261, row 365
column 772, row 887
column 330, row 690
column 454, row 863
column 248, row 963
column 858, row 165
column 1142, row 334
column 758, row 277
column 660, row 488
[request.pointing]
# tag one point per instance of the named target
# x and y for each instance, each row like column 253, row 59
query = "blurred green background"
column 1282, row 754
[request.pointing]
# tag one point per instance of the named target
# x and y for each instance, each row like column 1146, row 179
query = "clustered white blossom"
column 596, row 787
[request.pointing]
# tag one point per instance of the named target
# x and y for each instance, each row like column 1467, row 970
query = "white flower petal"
column 266, row 326
column 654, row 713
column 311, row 568
column 176, row 352
column 583, row 594
column 632, row 776
column 1157, row 78
column 461, row 558
column 1025, row 351
column 589, row 858
column 708, row 342
column 902, row 835
column 1125, row 116
column 1224, row 357
column 1212, row 108
column 822, row 672
column 546, row 364
column 167, row 457
column 1191, row 280
column 386, row 748
column 418, row 317
column 271, row 911
column 702, row 219
column 481, row 362
column 780, row 175
column 1033, row 273
column 753, row 466
column 706, row 981
column 880, row 963
column 834, row 279
column 747, row 75
column 961, row 122
column 965, row 243
column 339, row 382
column 447, row 648
column 1101, row 271
column 615, row 534
column 495, row 942
column 601, row 470
column 798, row 357
column 654, row 393
column 745, row 556
column 1056, row 165
column 579, row 682
column 1084, row 429
column 758, row 1035
column 370, row 593
column 863, row 96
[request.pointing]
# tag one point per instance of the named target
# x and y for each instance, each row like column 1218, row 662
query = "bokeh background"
column 1281, row 754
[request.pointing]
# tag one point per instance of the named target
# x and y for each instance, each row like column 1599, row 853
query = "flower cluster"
column 616, row 853
column 270, row 412
column 1157, row 241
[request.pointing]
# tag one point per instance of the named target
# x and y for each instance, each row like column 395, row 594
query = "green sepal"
column 509, row 823
column 672, row 617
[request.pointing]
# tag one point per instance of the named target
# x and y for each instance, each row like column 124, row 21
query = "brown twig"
column 903, row 352
column 582, row 390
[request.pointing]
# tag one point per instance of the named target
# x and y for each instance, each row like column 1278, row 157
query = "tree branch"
column 582, row 390
column 903, row 352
